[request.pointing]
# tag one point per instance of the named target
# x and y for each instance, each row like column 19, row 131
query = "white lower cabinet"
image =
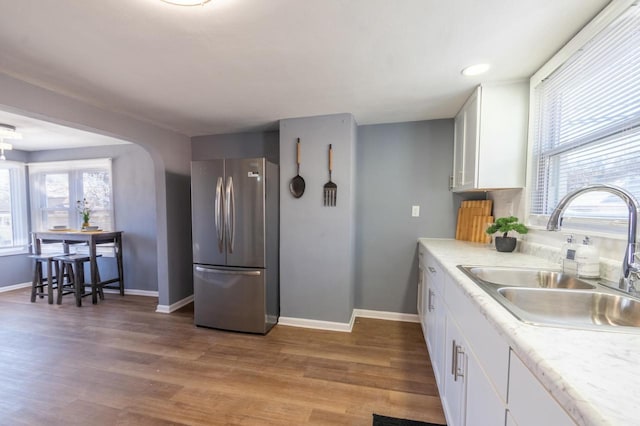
column 434, row 317
column 484, row 406
column 469, row 396
column 529, row 403
column 480, row 378
column 455, row 384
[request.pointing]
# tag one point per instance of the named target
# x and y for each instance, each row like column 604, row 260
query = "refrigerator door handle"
column 231, row 215
column 226, row 272
column 218, row 214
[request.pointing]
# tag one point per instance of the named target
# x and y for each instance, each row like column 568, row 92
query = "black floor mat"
column 379, row 420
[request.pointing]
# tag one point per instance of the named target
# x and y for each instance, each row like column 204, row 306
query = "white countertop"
column 594, row 375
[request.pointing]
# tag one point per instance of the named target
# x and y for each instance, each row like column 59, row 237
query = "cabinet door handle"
column 430, row 301
column 459, row 372
column 454, row 358
column 431, row 269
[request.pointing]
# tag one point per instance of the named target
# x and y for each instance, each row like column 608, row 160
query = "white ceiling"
column 241, row 65
column 38, row 135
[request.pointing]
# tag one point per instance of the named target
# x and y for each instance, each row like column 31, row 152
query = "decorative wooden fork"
column 330, row 188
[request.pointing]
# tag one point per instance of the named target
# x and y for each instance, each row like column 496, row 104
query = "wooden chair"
column 71, row 266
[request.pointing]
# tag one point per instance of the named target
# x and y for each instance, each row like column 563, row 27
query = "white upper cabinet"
column 490, row 138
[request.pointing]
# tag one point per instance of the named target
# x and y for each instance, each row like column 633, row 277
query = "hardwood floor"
column 121, row 363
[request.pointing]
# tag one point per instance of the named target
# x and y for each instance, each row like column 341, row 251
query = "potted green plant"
column 505, row 225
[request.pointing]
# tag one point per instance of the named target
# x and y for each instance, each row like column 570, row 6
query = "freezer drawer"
column 230, row 299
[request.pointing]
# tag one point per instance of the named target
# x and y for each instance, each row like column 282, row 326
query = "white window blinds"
column 587, row 124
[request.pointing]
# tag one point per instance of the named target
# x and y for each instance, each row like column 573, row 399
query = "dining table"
column 93, row 239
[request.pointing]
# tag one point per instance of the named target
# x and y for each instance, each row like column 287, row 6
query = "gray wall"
column 171, row 155
column 316, row 242
column 135, row 214
column 399, row 165
column 134, row 204
column 237, row 145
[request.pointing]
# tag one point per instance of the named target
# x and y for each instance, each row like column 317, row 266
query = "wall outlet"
column 415, row 211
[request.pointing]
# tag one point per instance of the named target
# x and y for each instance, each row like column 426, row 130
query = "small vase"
column 85, row 224
column 506, row 244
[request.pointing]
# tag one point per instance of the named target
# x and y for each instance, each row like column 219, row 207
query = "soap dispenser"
column 588, row 260
column 568, row 256
column 569, row 245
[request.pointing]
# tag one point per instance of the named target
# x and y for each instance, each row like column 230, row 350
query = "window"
column 56, row 188
column 13, row 212
column 586, row 124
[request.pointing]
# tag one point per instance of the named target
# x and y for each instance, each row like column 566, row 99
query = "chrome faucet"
column 630, row 269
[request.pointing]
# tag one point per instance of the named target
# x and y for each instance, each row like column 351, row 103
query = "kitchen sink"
column 552, row 298
column 575, row 307
column 525, row 277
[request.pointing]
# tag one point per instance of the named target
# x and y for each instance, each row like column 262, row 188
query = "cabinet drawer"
column 489, row 347
column 529, row 402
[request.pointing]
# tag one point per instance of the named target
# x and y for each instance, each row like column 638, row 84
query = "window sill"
column 13, row 251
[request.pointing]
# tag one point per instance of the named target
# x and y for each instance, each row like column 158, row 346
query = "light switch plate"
column 415, row 211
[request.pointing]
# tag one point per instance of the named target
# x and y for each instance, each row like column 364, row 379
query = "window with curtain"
column 57, row 187
column 13, row 211
column 586, row 124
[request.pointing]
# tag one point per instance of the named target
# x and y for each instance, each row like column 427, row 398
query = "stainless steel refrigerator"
column 235, row 231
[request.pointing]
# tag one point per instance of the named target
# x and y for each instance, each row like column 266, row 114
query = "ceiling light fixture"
column 187, row 2
column 3, row 146
column 7, row 132
column 476, row 69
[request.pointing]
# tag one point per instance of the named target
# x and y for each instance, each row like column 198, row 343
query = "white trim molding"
column 167, row 309
column 317, row 324
column 347, row 326
column 127, row 291
column 14, row 287
column 383, row 315
column 133, row 292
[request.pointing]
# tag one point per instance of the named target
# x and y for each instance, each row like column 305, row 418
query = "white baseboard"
column 390, row 316
column 133, row 292
column 167, row 309
column 127, row 291
column 317, row 324
column 14, row 287
column 344, row 326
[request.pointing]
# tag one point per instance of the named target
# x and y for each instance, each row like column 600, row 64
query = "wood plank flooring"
column 120, row 363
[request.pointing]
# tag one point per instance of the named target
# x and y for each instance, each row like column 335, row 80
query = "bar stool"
column 39, row 281
column 72, row 267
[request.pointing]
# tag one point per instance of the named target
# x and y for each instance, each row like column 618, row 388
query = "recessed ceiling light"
column 187, row 2
column 475, row 69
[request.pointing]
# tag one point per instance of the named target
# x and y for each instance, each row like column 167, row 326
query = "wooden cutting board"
column 473, row 217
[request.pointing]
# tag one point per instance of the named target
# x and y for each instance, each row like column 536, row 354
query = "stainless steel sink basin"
column 551, row 298
column 574, row 307
column 523, row 277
